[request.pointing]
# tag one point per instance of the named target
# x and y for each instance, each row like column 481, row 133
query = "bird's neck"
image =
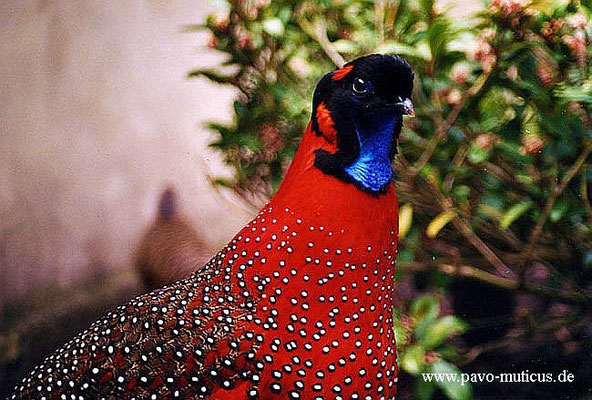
column 323, row 218
column 331, row 201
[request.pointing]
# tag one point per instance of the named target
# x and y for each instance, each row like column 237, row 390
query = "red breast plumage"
column 298, row 305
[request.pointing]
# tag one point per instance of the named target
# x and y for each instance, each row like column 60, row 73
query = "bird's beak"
column 406, row 107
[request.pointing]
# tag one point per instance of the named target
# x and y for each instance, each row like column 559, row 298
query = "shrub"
column 494, row 170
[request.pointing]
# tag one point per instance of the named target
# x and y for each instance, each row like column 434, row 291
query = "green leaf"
column 345, row 46
column 424, row 310
column 427, row 6
column 512, row 149
column 440, row 36
column 240, row 108
column 478, row 154
column 588, row 260
column 448, row 351
column 441, row 329
column 574, row 93
column 401, row 334
column 222, row 182
column 412, row 359
column 461, row 193
column 193, row 27
column 424, row 307
column 402, row 49
column 494, row 200
column 558, row 211
column 488, row 211
column 212, row 75
column 514, row 212
column 424, row 390
column 439, row 222
column 405, row 219
column 530, row 121
column 274, row 27
column 405, row 255
column 453, row 388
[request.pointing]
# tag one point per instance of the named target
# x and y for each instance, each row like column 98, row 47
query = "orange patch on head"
column 326, row 124
column 342, row 72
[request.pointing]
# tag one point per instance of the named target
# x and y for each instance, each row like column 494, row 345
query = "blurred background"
column 97, row 118
column 108, row 107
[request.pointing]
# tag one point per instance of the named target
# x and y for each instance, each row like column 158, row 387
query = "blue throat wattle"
column 372, row 170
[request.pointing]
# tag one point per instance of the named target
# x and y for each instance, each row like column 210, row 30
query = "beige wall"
column 96, row 116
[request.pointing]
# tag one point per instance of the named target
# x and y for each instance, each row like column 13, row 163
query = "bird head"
column 358, row 111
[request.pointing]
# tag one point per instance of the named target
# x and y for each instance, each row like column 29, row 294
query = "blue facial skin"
column 372, row 170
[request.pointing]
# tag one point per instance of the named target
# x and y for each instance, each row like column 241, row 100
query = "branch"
column 379, row 11
column 477, row 274
column 488, row 228
column 318, row 31
column 457, row 161
column 504, row 176
column 476, row 241
column 505, row 341
column 443, row 127
column 585, row 197
column 557, row 190
column 463, row 226
column 578, row 298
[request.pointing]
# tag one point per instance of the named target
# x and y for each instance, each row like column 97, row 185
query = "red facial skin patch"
column 342, row 73
column 326, row 124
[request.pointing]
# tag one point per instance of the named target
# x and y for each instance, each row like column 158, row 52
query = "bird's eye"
column 360, row 86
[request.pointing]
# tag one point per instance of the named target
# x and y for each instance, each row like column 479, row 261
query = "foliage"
column 494, row 170
column 421, row 338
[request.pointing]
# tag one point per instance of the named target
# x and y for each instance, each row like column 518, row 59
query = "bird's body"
column 297, row 306
column 171, row 248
